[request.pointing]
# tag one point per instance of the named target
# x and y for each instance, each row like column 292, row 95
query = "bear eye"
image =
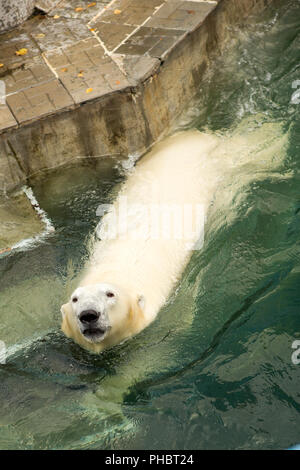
column 110, row 294
column 74, row 299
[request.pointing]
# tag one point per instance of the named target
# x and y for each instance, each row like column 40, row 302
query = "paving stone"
column 86, row 71
column 181, row 14
column 129, row 12
column 30, row 74
column 39, row 101
column 13, row 42
column 6, row 118
column 138, row 68
column 111, row 34
column 168, row 8
column 163, row 47
column 79, row 9
column 152, row 41
column 53, row 33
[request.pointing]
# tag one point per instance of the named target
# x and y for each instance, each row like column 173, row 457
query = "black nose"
column 89, row 316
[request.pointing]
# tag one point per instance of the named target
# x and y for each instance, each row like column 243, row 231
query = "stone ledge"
column 89, row 49
column 105, row 77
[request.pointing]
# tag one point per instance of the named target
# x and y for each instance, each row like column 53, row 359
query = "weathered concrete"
column 104, row 78
column 14, row 12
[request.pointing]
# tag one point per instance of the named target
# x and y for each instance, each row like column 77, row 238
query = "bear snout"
column 88, row 317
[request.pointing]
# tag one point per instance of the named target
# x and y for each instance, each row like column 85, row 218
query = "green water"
column 214, row 370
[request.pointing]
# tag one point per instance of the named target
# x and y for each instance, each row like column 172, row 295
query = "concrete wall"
column 124, row 122
column 14, row 12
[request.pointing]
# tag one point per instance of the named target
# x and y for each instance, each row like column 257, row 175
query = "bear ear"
column 65, row 309
column 141, row 301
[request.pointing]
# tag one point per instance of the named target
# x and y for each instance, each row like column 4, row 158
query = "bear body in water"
column 146, row 241
column 135, row 266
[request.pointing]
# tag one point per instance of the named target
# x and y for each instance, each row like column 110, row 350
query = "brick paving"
column 73, row 51
column 86, row 71
column 7, row 120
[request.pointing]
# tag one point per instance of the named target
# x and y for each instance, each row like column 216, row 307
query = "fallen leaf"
column 41, row 35
column 22, row 51
column 56, row 17
column 92, row 29
column 79, row 9
column 93, row 4
column 118, row 82
column 117, row 12
column 191, row 12
column 64, row 70
column 1, row 65
column 80, row 74
column 88, row 90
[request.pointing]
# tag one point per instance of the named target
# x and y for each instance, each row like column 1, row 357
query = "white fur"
column 170, row 174
column 186, row 168
column 141, row 269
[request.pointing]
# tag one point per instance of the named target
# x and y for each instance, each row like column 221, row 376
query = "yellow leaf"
column 22, row 51
column 79, row 9
column 56, row 17
column 80, row 74
column 88, row 90
column 1, row 65
column 41, row 35
column 92, row 29
column 64, row 70
column 93, row 4
column 117, row 12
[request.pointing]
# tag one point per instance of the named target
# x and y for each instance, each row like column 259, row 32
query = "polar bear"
column 217, row 171
column 144, row 248
column 156, row 221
